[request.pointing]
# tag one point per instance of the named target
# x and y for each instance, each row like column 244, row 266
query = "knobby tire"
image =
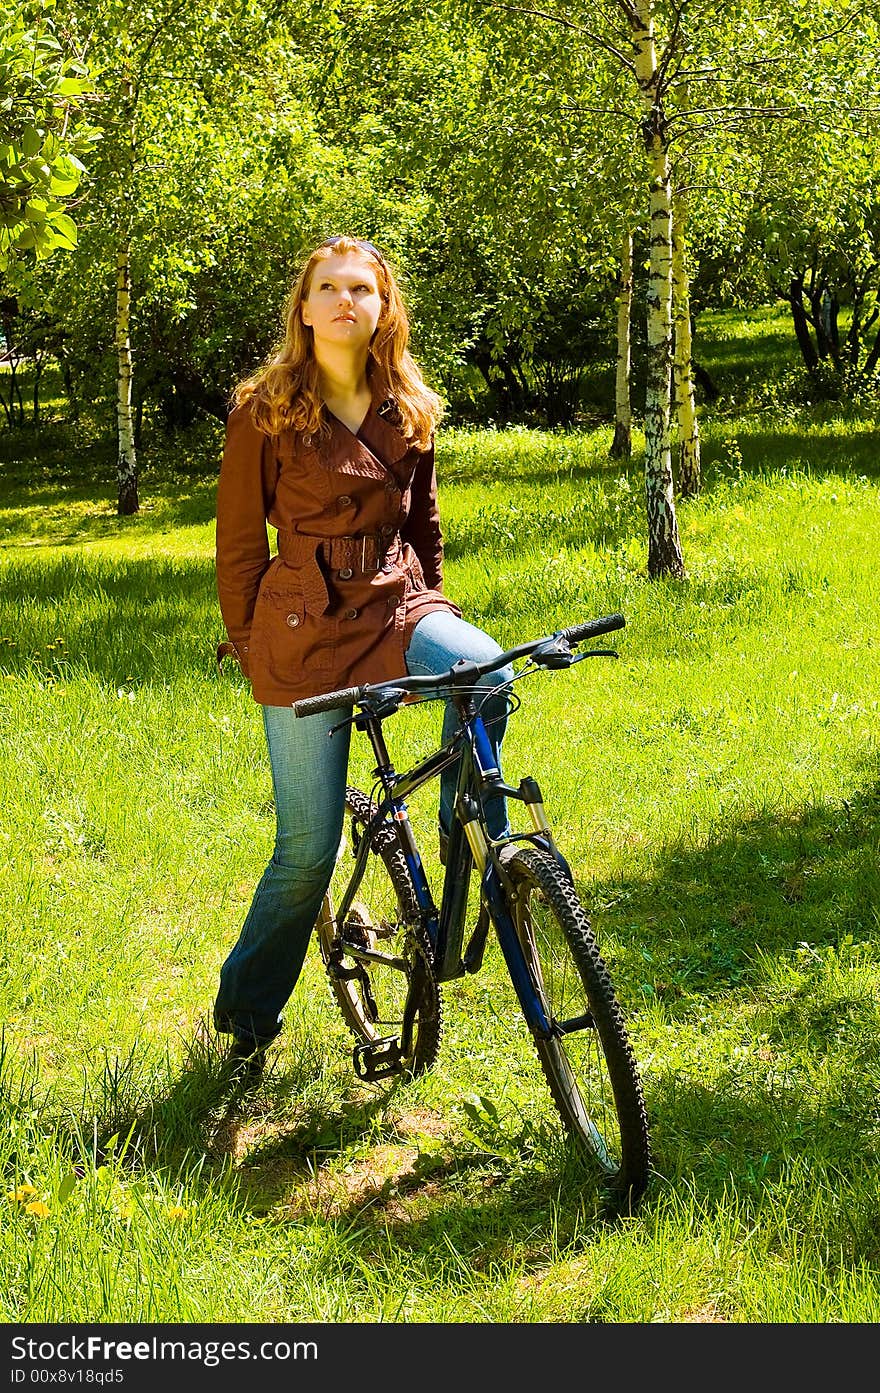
column 591, row 1073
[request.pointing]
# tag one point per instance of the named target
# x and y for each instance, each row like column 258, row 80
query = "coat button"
column 293, row 620
column 393, row 602
column 391, row 487
column 350, row 614
column 386, row 531
column 343, row 500
column 346, row 573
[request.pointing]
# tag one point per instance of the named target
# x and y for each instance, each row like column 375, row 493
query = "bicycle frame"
column 478, row 780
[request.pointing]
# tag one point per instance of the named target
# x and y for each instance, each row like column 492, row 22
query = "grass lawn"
column 717, row 791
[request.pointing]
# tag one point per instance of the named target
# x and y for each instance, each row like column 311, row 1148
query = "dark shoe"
column 246, row 1060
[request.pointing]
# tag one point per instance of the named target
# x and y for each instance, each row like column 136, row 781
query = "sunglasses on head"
column 365, row 246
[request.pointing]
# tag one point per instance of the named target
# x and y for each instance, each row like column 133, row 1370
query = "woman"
column 331, row 443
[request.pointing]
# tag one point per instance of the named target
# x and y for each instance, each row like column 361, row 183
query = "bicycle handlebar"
column 579, row 633
column 469, row 673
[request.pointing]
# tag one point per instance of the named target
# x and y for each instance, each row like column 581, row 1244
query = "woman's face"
column 343, row 305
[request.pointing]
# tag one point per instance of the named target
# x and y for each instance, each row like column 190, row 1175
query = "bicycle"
column 388, row 949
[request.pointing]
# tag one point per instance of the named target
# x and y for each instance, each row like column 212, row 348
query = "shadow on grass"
column 119, row 620
column 775, row 922
column 199, row 1117
column 71, row 515
column 59, row 485
column 55, row 505
column 710, row 916
column 849, row 451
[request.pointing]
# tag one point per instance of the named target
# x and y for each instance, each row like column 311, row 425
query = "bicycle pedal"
column 379, row 1059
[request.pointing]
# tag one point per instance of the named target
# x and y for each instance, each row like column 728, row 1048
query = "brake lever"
column 555, row 653
column 558, row 657
column 391, row 701
column 349, row 721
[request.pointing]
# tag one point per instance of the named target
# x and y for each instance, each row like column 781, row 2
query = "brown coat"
column 359, row 560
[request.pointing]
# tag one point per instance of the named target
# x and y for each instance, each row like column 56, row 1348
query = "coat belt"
column 348, row 556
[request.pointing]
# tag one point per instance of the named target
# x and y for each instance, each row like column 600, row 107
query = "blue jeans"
column 309, row 772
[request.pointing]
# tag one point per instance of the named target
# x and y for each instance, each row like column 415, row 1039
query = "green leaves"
column 64, row 175
column 31, row 141
column 45, row 128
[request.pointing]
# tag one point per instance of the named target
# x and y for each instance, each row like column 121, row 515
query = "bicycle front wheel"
column 588, row 1061
column 392, row 993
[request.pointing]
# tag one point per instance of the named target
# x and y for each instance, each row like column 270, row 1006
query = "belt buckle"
column 364, row 554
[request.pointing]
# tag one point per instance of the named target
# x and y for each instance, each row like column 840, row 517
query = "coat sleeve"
column 248, row 474
column 422, row 527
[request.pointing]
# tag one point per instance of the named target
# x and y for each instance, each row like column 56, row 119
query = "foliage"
column 45, row 133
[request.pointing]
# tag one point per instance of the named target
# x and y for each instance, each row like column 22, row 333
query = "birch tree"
column 683, row 382
column 624, row 34
column 621, row 444
column 664, row 547
column 153, row 63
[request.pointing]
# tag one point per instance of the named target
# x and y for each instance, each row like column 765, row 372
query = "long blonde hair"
column 284, row 394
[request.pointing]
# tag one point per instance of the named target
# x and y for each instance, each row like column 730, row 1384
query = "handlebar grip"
column 593, row 628
column 310, row 706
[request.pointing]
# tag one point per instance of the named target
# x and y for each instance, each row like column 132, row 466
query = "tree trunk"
column 870, row 364
column 685, row 405
column 69, row 385
column 15, row 393
column 126, row 469
column 664, row 547
column 829, row 310
column 795, row 299
column 704, row 380
column 621, row 445
column 38, row 373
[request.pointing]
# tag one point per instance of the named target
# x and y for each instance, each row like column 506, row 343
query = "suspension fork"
column 497, row 897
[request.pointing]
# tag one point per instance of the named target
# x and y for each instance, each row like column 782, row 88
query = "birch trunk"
column 685, row 405
column 664, row 547
column 621, row 445
column 126, row 468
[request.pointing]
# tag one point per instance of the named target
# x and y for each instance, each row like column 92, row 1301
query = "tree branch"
column 631, row 13
column 740, row 114
column 602, row 111
column 568, row 24
column 708, row 74
column 670, row 48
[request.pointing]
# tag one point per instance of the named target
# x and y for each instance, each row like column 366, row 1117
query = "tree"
column 813, row 239
column 621, row 445
column 159, row 66
column 682, row 365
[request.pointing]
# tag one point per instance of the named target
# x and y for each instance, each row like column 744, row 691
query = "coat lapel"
column 346, row 453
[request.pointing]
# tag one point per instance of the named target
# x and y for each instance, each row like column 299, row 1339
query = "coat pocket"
column 287, row 643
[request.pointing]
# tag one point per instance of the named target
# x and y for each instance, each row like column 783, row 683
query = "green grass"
column 717, row 790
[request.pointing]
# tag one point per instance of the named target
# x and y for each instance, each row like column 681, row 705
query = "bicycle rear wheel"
column 589, row 1063
column 397, row 996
